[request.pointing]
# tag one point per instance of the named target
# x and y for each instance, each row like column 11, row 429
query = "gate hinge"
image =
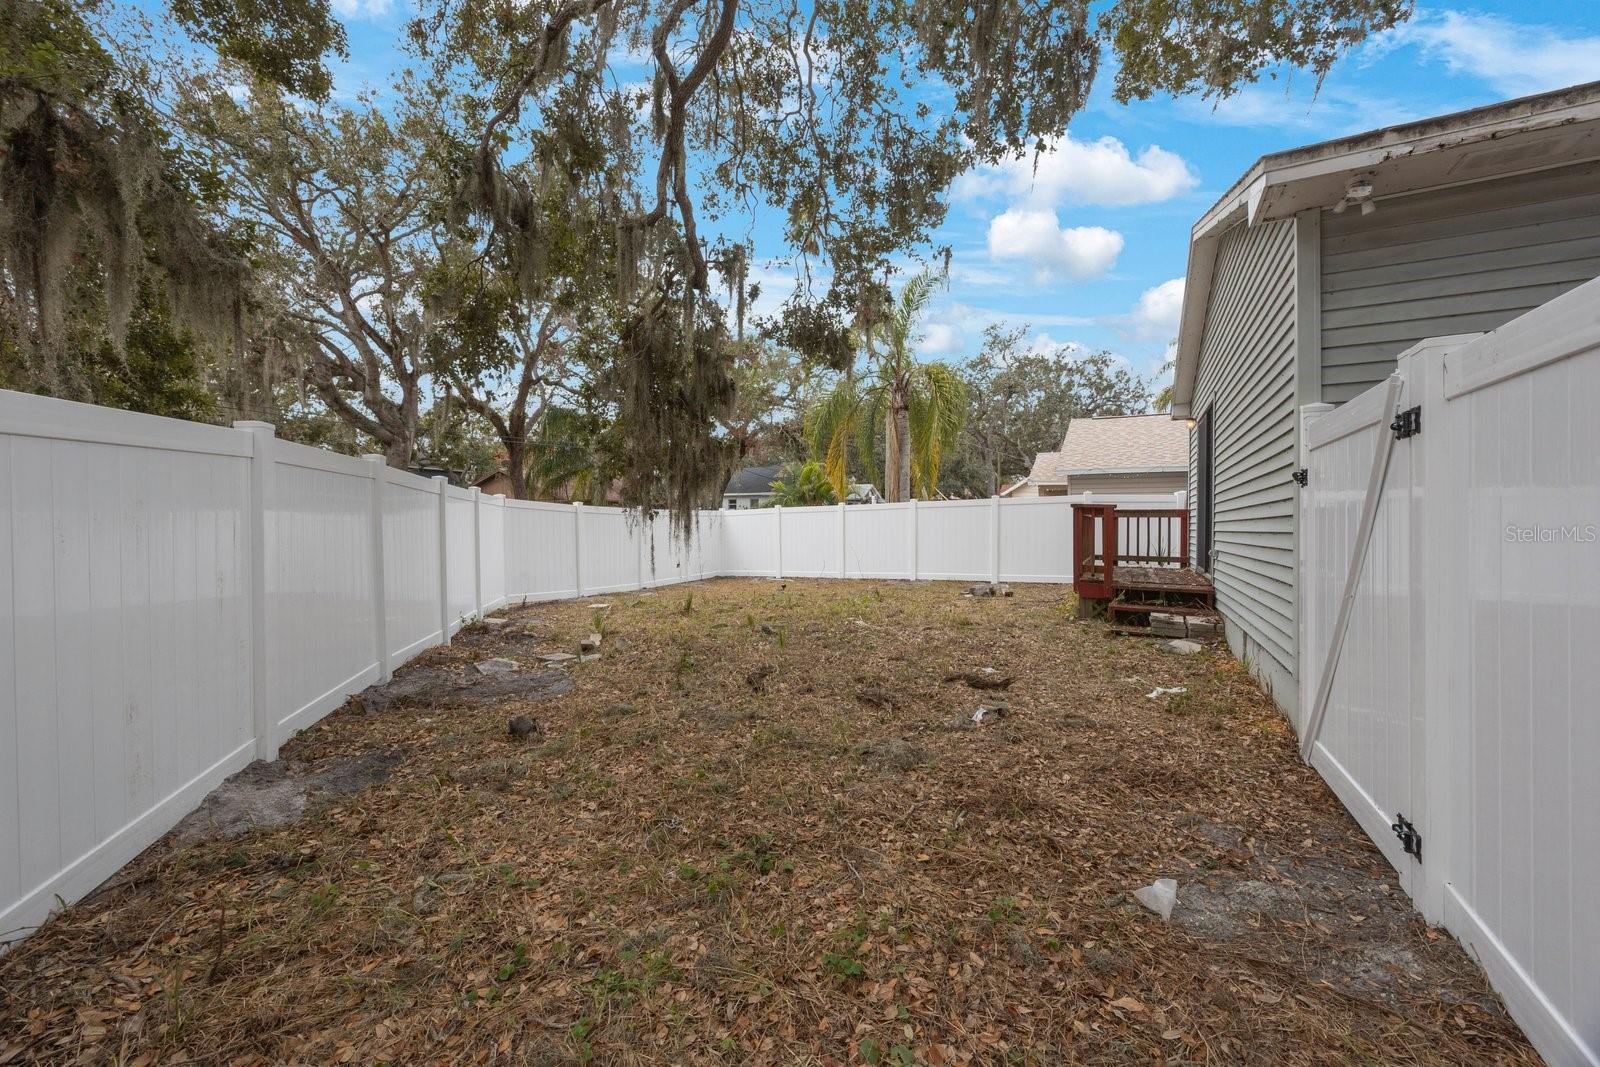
column 1410, row 839
column 1407, row 424
column 1302, row 477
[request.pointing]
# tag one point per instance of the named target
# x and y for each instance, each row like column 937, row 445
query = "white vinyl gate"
column 1450, row 644
column 1358, row 727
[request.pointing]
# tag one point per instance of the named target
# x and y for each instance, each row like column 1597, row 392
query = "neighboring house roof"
column 493, row 481
column 1115, row 444
column 1526, row 134
column 1020, row 482
column 753, row 481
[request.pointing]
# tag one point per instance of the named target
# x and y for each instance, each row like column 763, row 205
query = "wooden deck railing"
column 1153, row 537
column 1105, row 537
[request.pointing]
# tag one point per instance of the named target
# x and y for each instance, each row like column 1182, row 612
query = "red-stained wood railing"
column 1153, row 537
column 1105, row 537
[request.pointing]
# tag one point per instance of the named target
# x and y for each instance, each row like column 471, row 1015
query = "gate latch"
column 1407, row 424
column 1410, row 839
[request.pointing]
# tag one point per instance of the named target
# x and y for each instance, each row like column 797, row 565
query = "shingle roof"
column 753, row 479
column 1120, row 443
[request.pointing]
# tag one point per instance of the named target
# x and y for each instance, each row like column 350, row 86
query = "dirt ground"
column 763, row 828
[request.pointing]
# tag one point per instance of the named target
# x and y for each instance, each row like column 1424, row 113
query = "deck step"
column 1166, row 609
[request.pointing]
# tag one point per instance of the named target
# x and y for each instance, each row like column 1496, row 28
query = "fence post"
column 263, row 720
column 505, row 585
column 1308, row 550
column 913, row 539
column 639, row 554
column 380, row 598
column 442, row 484
column 477, row 551
column 777, row 511
column 577, row 548
column 994, row 538
column 842, row 540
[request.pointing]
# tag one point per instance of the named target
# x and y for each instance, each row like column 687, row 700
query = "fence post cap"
column 255, row 426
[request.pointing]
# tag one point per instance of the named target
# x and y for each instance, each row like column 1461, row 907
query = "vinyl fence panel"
column 461, row 554
column 124, row 638
column 541, row 550
column 320, row 607
column 492, row 550
column 1464, row 690
column 955, row 539
column 810, row 539
column 1036, row 540
column 878, row 540
column 410, row 564
column 1516, row 473
column 610, row 539
column 750, row 542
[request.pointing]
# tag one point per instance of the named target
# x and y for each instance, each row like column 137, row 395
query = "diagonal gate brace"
column 1358, row 559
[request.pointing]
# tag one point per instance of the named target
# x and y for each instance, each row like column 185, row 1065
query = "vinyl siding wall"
column 1247, row 381
column 1463, row 260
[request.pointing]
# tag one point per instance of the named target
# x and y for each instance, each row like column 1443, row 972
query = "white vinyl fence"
column 1451, row 619
column 995, row 540
column 177, row 600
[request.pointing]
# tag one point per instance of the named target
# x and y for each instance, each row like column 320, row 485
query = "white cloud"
column 941, row 339
column 1099, row 172
column 1514, row 58
column 1330, row 111
column 1155, row 317
column 361, row 9
column 1079, row 252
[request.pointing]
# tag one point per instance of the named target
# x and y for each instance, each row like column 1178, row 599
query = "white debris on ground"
column 990, row 712
column 1159, row 896
column 1182, row 647
column 498, row 665
column 1161, row 691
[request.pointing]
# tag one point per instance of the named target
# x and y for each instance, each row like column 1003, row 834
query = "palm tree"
column 804, row 486
column 921, row 406
column 569, row 451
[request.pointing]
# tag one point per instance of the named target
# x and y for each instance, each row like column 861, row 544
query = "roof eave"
column 1281, row 185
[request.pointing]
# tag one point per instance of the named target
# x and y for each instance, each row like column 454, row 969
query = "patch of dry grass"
column 758, row 831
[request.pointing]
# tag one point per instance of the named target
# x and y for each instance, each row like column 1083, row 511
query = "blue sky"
column 1090, row 249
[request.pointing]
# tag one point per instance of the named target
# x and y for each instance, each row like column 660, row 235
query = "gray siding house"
column 1321, row 265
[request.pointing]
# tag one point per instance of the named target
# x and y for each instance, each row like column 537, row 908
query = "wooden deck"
column 1155, row 578
column 1161, row 580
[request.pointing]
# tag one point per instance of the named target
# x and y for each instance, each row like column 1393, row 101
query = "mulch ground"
column 763, row 828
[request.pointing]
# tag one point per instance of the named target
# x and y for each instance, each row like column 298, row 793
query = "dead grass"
column 760, row 830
